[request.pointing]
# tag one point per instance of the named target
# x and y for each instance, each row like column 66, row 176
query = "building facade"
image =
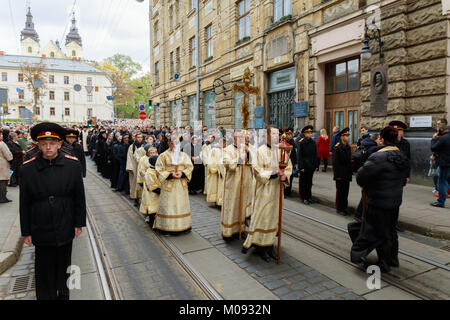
column 60, row 101
column 75, row 90
column 306, row 59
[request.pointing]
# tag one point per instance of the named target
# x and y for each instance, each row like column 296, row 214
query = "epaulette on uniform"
column 70, row 157
column 337, row 144
column 28, row 161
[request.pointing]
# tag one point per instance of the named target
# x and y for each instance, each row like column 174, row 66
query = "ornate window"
column 52, row 111
column 67, row 111
column 243, row 19
column 209, row 41
column 20, row 77
column 157, row 72
column 51, row 95
column 192, row 57
column 66, row 96
column 281, row 8
column 342, row 76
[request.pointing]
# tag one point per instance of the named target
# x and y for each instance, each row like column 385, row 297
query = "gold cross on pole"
column 247, row 90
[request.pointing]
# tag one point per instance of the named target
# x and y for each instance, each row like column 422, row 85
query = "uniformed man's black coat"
column 52, row 200
column 307, row 154
column 342, row 162
column 79, row 153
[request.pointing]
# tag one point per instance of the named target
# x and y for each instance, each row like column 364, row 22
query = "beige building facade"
column 305, row 56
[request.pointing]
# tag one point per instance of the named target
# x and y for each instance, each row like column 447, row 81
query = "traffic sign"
column 142, row 115
column 141, row 107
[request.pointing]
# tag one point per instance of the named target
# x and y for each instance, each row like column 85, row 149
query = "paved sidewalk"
column 416, row 214
column 10, row 236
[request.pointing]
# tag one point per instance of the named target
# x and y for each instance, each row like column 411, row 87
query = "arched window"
column 74, row 54
column 30, row 50
column 52, row 54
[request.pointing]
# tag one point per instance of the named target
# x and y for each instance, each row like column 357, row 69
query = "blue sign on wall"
column 259, row 123
column 301, row 109
column 259, row 112
column 109, row 98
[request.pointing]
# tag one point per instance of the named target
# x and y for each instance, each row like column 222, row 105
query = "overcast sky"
column 106, row 27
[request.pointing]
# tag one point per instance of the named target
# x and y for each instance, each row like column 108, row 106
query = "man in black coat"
column 401, row 142
column 342, row 169
column 307, row 163
column 291, row 141
column 52, row 210
column 404, row 147
column 383, row 177
column 440, row 145
column 71, row 139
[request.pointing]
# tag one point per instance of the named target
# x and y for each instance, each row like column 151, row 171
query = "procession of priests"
column 239, row 172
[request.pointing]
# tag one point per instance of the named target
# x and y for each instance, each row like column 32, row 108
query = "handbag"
column 354, row 227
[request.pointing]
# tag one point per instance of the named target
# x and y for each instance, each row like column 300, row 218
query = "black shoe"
column 244, row 250
column 271, row 253
column 394, row 263
column 399, row 229
column 6, row 201
column 437, row 204
column 265, row 256
column 342, row 212
column 307, row 202
column 384, row 267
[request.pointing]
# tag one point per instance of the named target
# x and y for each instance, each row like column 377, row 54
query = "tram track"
column 109, row 285
column 208, row 290
column 387, row 278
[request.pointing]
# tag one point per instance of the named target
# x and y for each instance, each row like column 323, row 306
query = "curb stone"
column 10, row 252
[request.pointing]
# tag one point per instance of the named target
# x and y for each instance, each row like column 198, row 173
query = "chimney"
column 2, row 53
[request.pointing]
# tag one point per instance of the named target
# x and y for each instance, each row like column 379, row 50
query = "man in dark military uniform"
column 52, row 209
column 307, row 163
column 404, row 147
column 72, row 140
column 342, row 169
column 65, row 148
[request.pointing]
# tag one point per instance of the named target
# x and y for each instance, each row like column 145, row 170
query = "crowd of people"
column 239, row 171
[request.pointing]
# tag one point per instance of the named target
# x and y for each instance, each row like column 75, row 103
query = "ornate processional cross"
column 246, row 89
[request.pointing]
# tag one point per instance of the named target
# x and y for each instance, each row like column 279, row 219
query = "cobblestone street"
column 290, row 280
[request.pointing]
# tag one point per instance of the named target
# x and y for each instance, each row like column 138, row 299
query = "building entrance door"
column 281, row 109
column 342, row 97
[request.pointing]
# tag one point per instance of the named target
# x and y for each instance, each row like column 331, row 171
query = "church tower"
column 29, row 39
column 74, row 48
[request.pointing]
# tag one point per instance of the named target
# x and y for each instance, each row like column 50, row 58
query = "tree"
column 122, row 92
column 141, row 88
column 124, row 63
column 32, row 72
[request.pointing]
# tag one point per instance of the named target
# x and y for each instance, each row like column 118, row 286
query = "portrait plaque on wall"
column 378, row 91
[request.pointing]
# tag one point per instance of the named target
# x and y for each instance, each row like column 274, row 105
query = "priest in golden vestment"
column 217, row 160
column 141, row 155
column 131, row 166
column 232, row 215
column 205, row 157
column 264, row 221
column 174, row 169
column 150, row 191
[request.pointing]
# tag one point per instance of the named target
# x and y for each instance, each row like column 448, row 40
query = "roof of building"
column 29, row 31
column 52, row 64
column 73, row 35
